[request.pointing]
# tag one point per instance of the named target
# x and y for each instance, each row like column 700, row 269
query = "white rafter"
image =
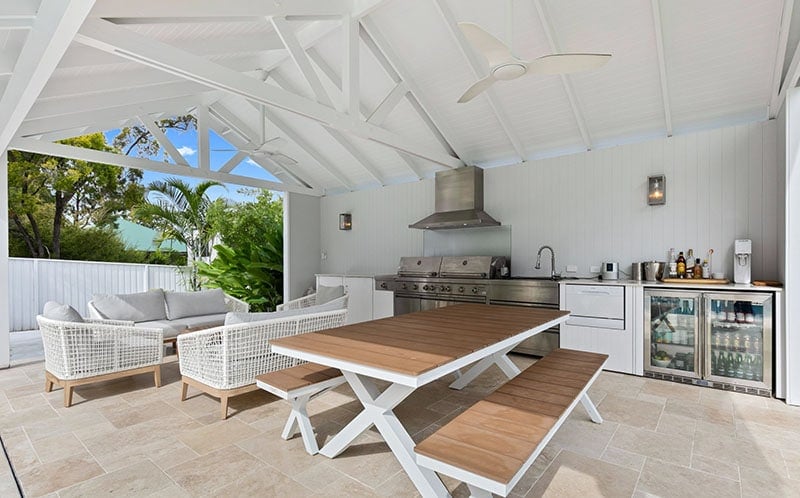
column 96, row 156
column 163, row 141
column 107, row 37
column 190, row 10
column 388, row 103
column 329, row 73
column 478, row 70
column 351, row 69
column 15, row 23
column 662, row 65
column 203, row 152
column 234, row 161
column 380, row 48
column 298, row 55
column 780, row 58
column 54, row 28
column 547, row 26
column 792, row 75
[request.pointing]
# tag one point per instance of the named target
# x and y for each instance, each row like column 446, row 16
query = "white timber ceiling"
column 364, row 92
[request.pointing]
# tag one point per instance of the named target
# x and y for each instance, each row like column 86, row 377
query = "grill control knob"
column 461, row 289
column 443, row 288
column 425, row 287
column 474, row 290
column 404, row 286
column 413, row 287
column 447, row 288
column 383, row 285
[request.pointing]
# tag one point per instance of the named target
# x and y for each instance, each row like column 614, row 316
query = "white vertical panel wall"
column 301, row 246
column 5, row 284
column 790, row 265
column 36, row 281
column 722, row 184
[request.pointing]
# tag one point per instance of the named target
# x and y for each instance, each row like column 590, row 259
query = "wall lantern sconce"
column 345, row 221
column 656, row 190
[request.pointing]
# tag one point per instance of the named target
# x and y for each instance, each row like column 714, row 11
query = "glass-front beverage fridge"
column 716, row 339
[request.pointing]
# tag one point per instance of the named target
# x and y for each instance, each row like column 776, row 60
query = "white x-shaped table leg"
column 500, row 358
column 378, row 408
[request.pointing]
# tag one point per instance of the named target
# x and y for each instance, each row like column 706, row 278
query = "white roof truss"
column 662, row 65
column 776, row 100
column 163, row 141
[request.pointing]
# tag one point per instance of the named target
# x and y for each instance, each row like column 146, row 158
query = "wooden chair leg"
column 48, row 385
column 157, row 375
column 68, row 395
column 184, row 387
column 224, row 402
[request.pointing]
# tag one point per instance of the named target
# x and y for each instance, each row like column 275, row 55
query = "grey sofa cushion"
column 325, row 294
column 171, row 328
column 238, row 318
column 61, row 312
column 205, row 321
column 138, row 307
column 182, row 304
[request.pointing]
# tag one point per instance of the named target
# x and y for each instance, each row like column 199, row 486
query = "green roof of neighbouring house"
column 141, row 238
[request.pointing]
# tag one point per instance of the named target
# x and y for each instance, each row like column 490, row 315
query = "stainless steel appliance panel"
column 673, row 333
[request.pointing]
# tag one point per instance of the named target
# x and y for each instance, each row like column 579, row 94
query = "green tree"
column 180, row 212
column 55, row 191
column 137, row 139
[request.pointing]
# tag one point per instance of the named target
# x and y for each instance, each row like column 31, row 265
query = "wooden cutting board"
column 768, row 283
column 709, row 281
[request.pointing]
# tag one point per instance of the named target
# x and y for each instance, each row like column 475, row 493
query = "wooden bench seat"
column 493, row 443
column 298, row 385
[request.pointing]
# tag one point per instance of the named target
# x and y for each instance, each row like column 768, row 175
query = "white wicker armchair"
column 299, row 303
column 224, row 361
column 77, row 353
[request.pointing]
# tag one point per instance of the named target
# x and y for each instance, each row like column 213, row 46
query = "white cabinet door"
column 329, row 280
column 360, row 302
column 382, row 304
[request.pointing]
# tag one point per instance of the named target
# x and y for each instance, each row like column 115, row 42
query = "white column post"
column 792, row 250
column 5, row 285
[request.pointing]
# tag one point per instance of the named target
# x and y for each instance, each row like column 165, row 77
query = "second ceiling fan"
column 504, row 66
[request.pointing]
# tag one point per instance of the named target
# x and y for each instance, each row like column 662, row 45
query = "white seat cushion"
column 204, row 321
column 138, row 307
column 185, row 304
column 171, row 328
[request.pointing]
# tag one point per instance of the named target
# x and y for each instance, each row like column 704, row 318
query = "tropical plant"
column 180, row 212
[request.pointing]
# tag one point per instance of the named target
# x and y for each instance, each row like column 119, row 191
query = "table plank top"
column 415, row 343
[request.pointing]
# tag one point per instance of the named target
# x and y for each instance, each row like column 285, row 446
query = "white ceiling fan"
column 504, row 66
column 268, row 148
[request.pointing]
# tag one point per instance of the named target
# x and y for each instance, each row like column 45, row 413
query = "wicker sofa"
column 172, row 312
column 224, row 361
column 83, row 352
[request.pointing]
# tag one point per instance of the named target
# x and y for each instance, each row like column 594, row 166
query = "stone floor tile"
column 263, row 482
column 758, row 483
column 46, row 478
column 209, row 472
column 792, row 460
column 668, row 447
column 623, row 458
column 140, row 479
column 212, row 437
column 20, row 449
column 289, row 457
column 672, row 390
column 368, row 462
column 715, row 467
column 584, row 436
column 318, row 477
column 58, row 447
column 742, row 452
column 668, row 480
column 572, row 474
column 126, row 416
column 723, row 416
column 630, row 411
column 670, row 423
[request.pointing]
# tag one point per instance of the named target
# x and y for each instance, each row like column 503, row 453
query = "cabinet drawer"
column 596, row 301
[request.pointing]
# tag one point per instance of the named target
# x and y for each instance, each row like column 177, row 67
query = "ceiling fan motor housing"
column 509, row 71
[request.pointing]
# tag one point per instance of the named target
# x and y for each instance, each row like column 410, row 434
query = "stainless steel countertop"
column 661, row 285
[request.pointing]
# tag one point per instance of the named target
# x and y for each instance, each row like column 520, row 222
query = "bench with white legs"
column 298, row 385
column 491, row 445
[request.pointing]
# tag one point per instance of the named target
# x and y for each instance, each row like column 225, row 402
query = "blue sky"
column 186, row 143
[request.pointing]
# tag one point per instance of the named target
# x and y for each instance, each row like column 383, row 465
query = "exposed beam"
column 163, row 140
column 547, row 26
column 334, row 78
column 54, row 28
column 106, row 36
column 96, row 156
column 339, row 137
column 351, row 68
column 662, row 65
column 780, row 58
column 391, row 63
column 233, row 162
column 15, row 23
column 388, row 103
column 298, row 55
column 203, row 152
column 193, row 9
column 479, row 71
column 792, row 75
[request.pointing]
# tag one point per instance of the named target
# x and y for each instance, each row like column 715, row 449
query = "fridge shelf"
column 688, row 346
column 731, row 350
column 736, row 326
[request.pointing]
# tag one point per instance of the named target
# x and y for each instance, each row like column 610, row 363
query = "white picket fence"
column 33, row 282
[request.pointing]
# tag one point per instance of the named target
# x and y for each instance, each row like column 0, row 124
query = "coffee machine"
column 742, row 260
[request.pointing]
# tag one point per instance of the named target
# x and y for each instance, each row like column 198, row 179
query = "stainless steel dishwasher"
column 533, row 293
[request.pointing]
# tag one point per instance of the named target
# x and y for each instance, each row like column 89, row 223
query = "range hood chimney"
column 459, row 201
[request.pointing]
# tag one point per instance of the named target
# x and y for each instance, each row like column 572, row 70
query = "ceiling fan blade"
column 477, row 88
column 567, row 63
column 495, row 51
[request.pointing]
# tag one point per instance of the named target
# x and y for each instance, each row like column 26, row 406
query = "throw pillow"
column 61, row 312
column 137, row 307
column 207, row 302
column 325, row 294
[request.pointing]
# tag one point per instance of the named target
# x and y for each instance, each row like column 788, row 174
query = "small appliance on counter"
column 637, row 271
column 610, row 271
column 742, row 260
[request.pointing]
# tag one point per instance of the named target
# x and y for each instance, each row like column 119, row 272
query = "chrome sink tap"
column 538, row 266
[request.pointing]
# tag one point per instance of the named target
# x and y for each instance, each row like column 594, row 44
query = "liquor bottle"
column 706, row 269
column 690, row 264
column 730, row 365
column 681, row 265
column 698, row 269
column 673, row 265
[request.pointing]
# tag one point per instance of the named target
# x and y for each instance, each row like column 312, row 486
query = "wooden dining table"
column 409, row 351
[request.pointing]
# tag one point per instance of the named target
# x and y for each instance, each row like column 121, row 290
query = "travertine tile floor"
column 127, row 438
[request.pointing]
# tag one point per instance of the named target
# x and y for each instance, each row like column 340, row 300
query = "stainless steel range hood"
column 459, row 201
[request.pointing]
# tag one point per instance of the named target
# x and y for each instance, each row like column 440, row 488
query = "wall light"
column 345, row 221
column 656, row 190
